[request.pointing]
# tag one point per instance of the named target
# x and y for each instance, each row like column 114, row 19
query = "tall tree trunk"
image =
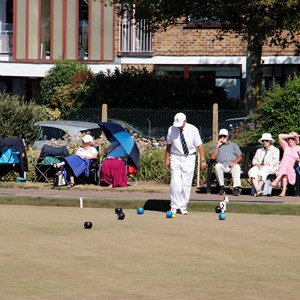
column 253, row 72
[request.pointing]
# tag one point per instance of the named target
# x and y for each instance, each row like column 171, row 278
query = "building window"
column 6, row 26
column 171, row 71
column 277, row 73
column 83, row 29
column 45, row 29
column 228, row 77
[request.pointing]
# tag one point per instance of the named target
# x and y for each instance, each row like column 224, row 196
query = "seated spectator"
column 228, row 155
column 265, row 162
column 115, row 150
column 286, row 171
column 78, row 163
column 113, row 169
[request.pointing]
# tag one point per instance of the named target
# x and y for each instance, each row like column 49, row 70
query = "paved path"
column 139, row 192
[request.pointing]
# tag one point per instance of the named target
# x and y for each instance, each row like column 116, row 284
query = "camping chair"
column 113, row 172
column 94, row 174
column 44, row 166
column 9, row 161
column 120, row 165
column 13, row 159
column 92, row 178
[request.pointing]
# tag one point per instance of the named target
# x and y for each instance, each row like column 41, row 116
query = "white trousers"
column 235, row 173
column 182, row 173
column 262, row 173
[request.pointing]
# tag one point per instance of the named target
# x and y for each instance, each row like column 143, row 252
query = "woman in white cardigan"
column 265, row 162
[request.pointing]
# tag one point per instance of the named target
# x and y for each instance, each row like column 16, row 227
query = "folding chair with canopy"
column 49, row 155
column 13, row 159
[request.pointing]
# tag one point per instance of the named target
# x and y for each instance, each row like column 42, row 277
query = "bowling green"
column 47, row 254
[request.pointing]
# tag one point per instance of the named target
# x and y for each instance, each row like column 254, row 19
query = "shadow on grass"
column 157, row 205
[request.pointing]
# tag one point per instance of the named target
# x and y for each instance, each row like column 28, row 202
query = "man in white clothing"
column 183, row 141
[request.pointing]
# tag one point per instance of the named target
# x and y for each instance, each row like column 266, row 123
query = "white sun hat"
column 266, row 137
column 88, row 139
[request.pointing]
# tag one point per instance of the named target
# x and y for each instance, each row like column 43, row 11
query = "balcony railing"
column 6, row 38
column 135, row 38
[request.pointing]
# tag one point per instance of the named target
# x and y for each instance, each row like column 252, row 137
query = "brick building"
column 34, row 34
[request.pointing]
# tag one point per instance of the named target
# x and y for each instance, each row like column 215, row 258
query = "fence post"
column 104, row 113
column 215, row 123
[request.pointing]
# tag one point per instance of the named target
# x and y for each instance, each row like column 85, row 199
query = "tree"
column 257, row 22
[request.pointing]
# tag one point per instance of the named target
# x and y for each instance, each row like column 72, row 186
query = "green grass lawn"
column 46, row 254
column 159, row 205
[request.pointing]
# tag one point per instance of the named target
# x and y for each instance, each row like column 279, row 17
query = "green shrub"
column 278, row 111
column 17, row 117
column 152, row 166
column 68, row 80
column 141, row 88
column 280, row 108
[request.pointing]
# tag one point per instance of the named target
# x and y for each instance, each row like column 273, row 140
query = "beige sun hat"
column 88, row 139
column 295, row 135
column 266, row 137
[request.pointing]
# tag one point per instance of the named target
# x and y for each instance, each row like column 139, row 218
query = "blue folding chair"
column 9, row 164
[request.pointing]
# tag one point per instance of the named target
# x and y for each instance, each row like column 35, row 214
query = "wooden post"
column 215, row 123
column 104, row 113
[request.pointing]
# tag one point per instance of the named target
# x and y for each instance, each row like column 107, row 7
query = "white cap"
column 179, row 119
column 266, row 137
column 223, row 132
column 88, row 139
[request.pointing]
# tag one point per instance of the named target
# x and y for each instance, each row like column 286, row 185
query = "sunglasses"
column 292, row 139
column 265, row 141
column 222, row 136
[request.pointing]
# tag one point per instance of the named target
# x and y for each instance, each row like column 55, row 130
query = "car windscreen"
column 48, row 133
column 95, row 132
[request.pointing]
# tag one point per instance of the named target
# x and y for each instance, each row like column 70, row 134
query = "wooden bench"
column 248, row 154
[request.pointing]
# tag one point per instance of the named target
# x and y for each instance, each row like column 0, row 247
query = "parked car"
column 48, row 130
column 155, row 133
column 229, row 124
column 130, row 127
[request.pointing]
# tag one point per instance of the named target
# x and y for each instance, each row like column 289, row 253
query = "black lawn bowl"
column 88, row 225
column 218, row 209
column 121, row 216
column 118, row 210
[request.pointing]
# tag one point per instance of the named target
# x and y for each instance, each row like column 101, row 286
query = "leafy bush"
column 17, row 117
column 141, row 88
column 152, row 166
column 65, row 80
column 278, row 111
column 70, row 85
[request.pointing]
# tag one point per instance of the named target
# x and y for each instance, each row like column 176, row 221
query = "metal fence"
column 155, row 123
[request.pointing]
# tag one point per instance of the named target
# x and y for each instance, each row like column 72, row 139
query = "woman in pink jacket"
column 291, row 153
